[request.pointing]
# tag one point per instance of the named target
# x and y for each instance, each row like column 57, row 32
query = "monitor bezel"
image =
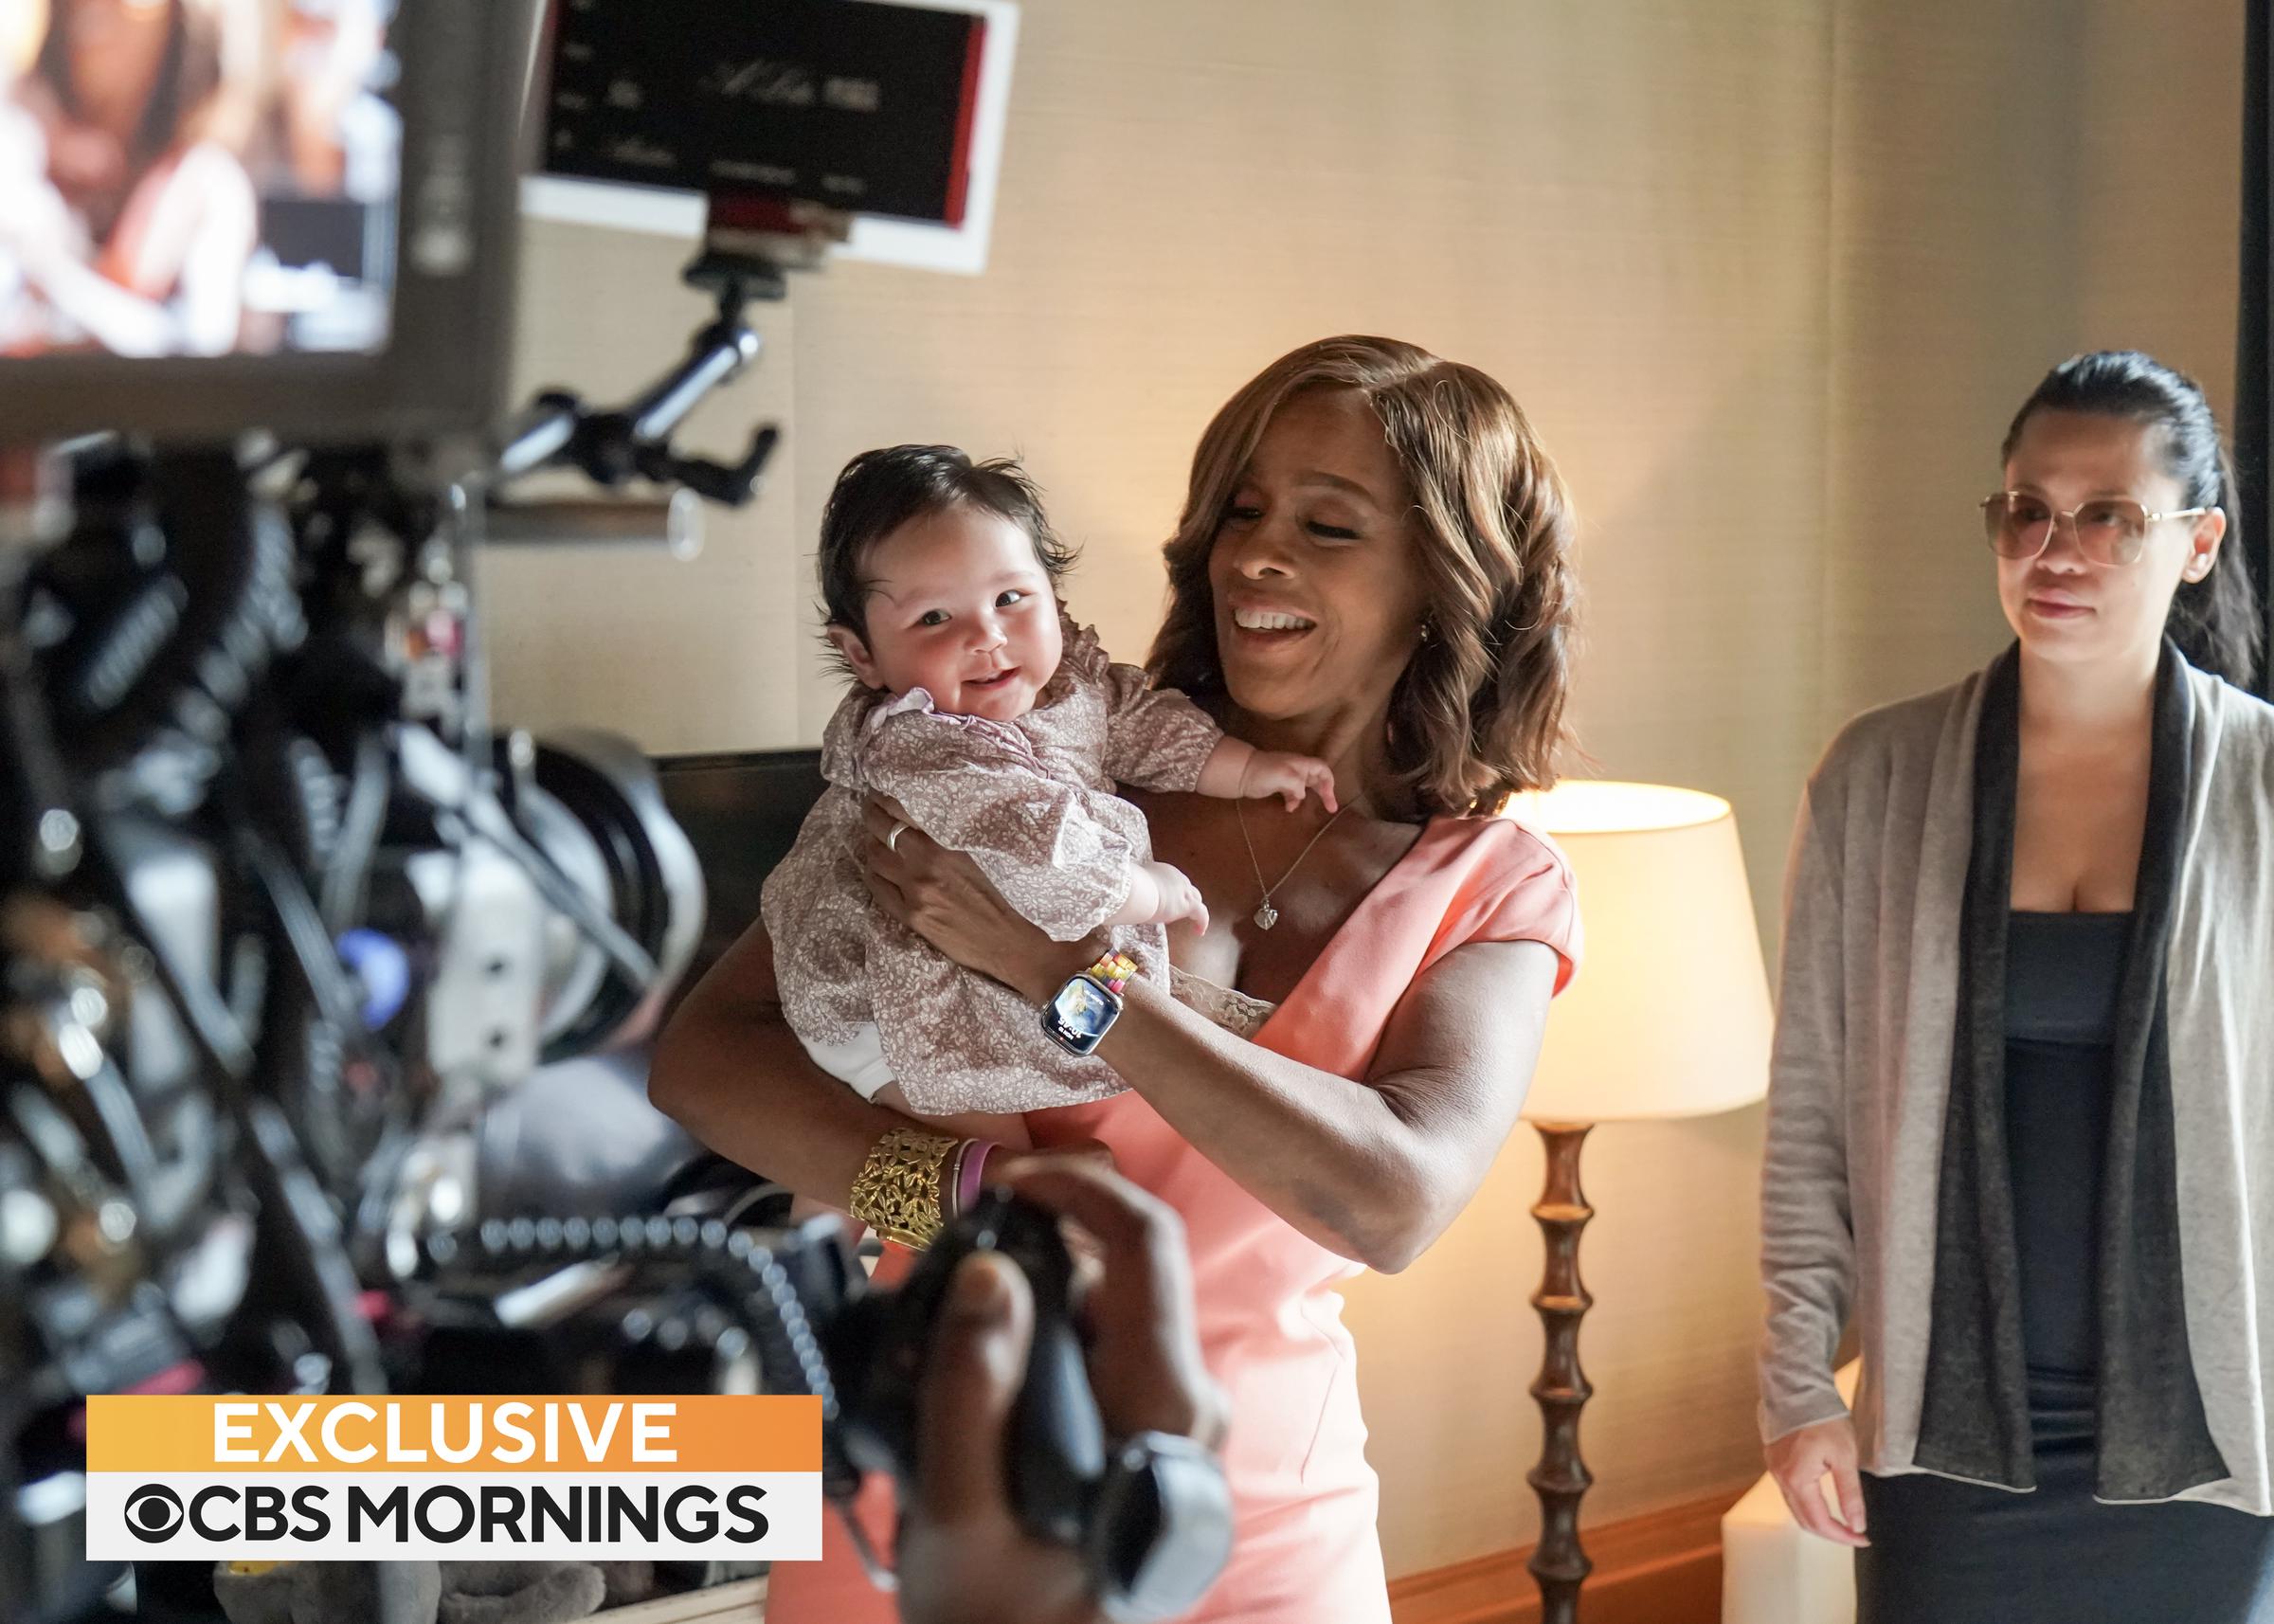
column 444, row 367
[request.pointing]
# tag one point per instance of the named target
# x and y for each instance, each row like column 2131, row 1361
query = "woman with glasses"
column 2021, row 1118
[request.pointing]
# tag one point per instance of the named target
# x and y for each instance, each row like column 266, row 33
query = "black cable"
column 347, row 874
column 561, row 894
column 170, row 654
column 317, row 797
column 298, row 1214
column 296, row 914
column 213, row 1027
column 754, row 1277
column 128, row 646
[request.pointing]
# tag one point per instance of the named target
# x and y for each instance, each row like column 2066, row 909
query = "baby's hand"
column 1289, row 776
column 1179, row 897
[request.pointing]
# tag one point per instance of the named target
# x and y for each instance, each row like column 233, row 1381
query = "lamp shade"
column 1669, row 1014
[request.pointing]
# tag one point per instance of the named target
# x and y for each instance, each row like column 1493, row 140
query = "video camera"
column 282, row 915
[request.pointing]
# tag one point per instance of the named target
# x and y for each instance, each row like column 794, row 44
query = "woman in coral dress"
column 1372, row 568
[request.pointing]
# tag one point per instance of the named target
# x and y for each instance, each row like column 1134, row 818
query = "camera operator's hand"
column 963, row 1556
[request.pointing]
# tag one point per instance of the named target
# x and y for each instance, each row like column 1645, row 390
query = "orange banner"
column 504, row 1433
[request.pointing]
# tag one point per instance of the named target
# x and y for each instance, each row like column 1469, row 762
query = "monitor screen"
column 194, row 178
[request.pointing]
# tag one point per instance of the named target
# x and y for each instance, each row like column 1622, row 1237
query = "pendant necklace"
column 1266, row 915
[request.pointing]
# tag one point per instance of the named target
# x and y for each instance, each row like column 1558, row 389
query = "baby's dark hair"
column 880, row 491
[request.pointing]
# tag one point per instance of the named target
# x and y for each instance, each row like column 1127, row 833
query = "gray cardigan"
column 1867, row 1013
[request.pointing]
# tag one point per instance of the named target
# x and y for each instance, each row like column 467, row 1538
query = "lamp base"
column 1558, row 1564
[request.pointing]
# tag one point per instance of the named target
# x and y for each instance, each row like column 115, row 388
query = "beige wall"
column 1985, row 226
column 1768, row 274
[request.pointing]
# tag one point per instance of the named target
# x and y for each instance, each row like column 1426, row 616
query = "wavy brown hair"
column 190, row 75
column 1478, row 712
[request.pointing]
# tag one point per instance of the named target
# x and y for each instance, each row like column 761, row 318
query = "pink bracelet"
column 970, row 1173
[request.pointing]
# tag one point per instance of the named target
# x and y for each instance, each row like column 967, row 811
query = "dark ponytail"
column 2217, row 622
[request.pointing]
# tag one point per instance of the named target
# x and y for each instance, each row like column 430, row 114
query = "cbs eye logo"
column 154, row 1512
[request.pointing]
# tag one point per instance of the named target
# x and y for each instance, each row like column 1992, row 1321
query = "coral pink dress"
column 1270, row 1316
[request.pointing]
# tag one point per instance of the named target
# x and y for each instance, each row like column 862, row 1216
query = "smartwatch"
column 1161, row 1530
column 1080, row 1014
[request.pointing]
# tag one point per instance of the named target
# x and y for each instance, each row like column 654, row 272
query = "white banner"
column 536, row 1516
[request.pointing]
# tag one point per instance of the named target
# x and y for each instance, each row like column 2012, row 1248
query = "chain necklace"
column 1266, row 915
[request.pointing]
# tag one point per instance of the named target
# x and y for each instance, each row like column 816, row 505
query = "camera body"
column 1151, row 1515
column 877, row 1345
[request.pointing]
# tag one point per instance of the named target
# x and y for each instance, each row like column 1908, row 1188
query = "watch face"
column 1163, row 1528
column 1080, row 1013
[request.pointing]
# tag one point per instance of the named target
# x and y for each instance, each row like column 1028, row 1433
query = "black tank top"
column 2063, row 976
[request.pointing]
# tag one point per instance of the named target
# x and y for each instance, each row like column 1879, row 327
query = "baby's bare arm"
column 1006, row 1129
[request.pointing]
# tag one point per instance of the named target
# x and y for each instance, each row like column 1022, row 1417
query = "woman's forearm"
column 1339, row 1160
column 1373, row 1168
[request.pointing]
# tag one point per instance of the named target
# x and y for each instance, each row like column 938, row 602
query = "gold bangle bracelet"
column 897, row 1192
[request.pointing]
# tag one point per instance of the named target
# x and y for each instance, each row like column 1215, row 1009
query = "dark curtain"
column 2252, row 361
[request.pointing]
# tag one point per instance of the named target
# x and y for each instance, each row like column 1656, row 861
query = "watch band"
column 1080, row 1013
column 1114, row 972
column 1161, row 1531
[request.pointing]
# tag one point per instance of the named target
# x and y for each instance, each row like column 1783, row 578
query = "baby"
column 1001, row 729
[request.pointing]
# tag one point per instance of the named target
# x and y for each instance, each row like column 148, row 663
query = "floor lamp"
column 1669, row 1018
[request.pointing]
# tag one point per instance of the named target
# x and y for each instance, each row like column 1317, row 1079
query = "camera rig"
column 283, row 919
column 287, row 925
column 281, row 916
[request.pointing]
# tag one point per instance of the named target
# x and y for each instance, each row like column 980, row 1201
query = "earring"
column 1427, row 636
